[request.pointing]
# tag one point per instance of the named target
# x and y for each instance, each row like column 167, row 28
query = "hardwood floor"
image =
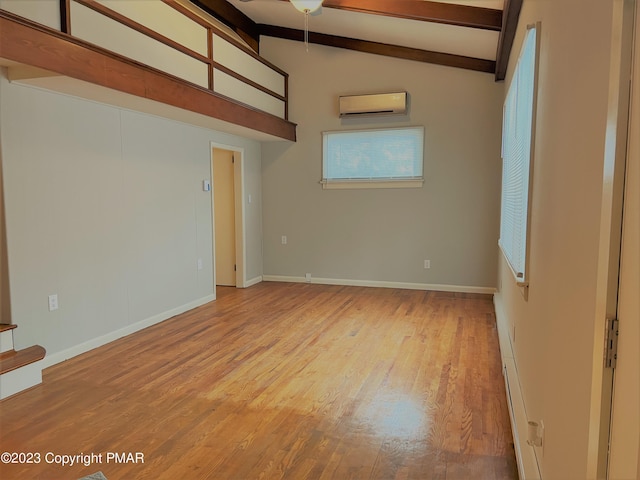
column 294, row 381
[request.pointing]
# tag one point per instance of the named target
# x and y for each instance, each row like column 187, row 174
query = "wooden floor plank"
column 291, row 381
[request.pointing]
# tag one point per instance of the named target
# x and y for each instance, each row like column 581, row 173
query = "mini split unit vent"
column 372, row 105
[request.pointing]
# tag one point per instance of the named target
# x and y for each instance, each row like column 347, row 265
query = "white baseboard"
column 380, row 284
column 528, row 466
column 20, row 379
column 253, row 281
column 76, row 350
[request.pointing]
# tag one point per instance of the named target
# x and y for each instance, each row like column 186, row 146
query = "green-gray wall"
column 105, row 207
column 384, row 235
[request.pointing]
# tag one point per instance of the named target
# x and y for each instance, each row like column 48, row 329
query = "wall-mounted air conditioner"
column 374, row 104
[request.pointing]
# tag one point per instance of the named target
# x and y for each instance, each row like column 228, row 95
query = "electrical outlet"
column 427, row 264
column 284, row 239
column 53, row 302
column 307, row 277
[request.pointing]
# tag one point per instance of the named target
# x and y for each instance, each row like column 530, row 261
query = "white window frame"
column 371, row 182
column 518, row 142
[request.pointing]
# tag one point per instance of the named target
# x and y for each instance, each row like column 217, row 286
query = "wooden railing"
column 166, row 35
column 168, row 51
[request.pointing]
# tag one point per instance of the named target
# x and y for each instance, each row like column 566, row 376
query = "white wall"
column 46, row 12
column 98, row 29
column 385, row 235
column 105, row 208
column 553, row 332
column 252, row 176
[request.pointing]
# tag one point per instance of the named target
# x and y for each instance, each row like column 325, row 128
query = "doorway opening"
column 227, row 215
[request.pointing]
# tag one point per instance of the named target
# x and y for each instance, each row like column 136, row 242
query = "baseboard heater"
column 528, row 467
column 525, row 454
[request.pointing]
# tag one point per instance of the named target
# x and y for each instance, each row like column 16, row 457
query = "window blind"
column 517, row 152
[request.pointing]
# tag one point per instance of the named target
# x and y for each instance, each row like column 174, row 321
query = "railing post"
column 286, row 97
column 210, row 56
column 65, row 16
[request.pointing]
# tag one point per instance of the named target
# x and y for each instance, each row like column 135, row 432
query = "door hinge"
column 234, row 268
column 611, row 345
column 233, row 159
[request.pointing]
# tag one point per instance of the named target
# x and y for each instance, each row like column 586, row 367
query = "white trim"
column 6, row 341
column 359, row 184
column 526, row 458
column 380, row 284
column 253, row 281
column 618, row 131
column 516, row 276
column 20, row 379
column 71, row 352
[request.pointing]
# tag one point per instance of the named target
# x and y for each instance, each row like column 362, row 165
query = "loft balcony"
column 164, row 57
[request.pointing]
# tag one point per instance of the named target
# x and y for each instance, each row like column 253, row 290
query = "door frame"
column 624, row 461
column 609, row 251
column 238, row 182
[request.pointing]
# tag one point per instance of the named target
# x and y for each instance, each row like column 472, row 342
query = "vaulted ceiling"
column 470, row 34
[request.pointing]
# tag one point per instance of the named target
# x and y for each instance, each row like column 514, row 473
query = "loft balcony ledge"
column 74, row 66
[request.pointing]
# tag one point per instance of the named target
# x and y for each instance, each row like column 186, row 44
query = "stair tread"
column 15, row 359
column 7, row 326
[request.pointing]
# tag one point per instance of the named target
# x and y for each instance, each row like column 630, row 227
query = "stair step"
column 7, row 326
column 12, row 360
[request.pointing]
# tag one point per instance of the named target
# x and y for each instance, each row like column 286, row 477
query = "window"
column 517, row 151
column 379, row 158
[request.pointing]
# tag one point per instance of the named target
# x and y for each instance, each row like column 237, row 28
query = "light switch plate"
column 53, row 302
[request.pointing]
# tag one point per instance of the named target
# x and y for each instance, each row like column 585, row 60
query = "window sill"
column 360, row 184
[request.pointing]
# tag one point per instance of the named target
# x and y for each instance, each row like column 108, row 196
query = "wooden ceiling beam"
column 426, row 11
column 507, row 35
column 396, row 51
column 246, row 28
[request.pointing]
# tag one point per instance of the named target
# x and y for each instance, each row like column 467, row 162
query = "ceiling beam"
column 234, row 18
column 426, row 11
column 507, row 35
column 407, row 53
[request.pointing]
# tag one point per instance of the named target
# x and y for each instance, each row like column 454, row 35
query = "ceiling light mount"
column 306, row 6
